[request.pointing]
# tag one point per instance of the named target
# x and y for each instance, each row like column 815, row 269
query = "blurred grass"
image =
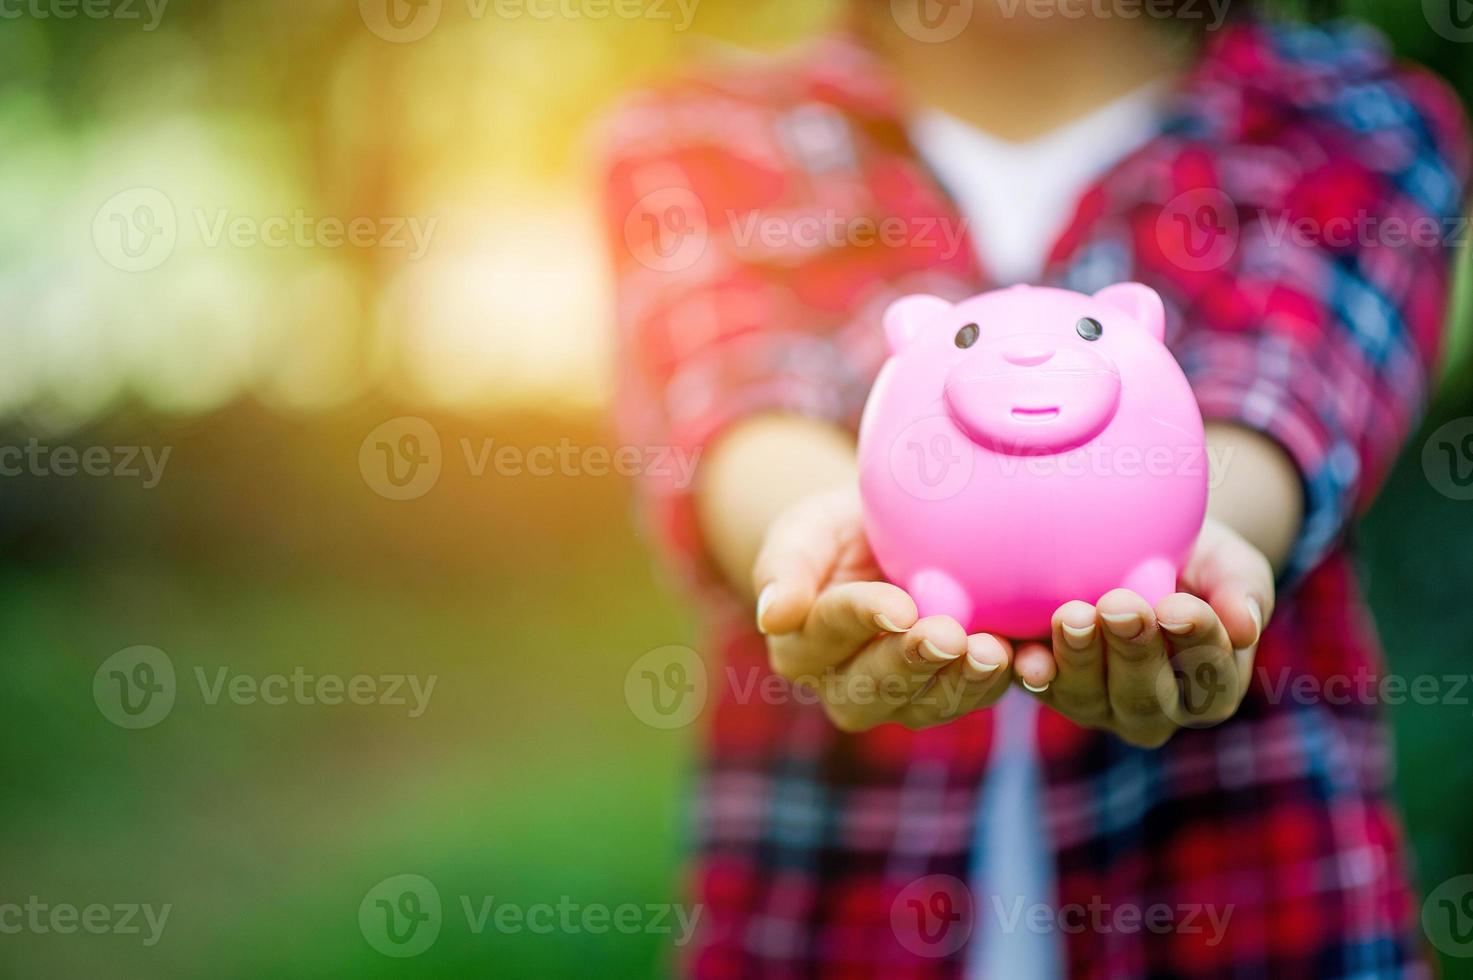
column 527, row 779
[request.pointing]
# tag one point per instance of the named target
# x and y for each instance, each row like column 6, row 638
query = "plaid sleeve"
column 1319, row 320
column 714, row 327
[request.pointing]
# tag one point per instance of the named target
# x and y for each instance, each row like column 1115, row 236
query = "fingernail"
column 980, row 667
column 935, row 654
column 764, row 599
column 884, row 623
column 1256, row 611
column 1078, row 638
column 1177, row 629
column 1127, row 626
column 1035, row 690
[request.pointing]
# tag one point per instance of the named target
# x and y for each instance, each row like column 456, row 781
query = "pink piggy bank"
column 1030, row 446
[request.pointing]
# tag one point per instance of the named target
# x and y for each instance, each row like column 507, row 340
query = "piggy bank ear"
column 1142, row 304
column 905, row 317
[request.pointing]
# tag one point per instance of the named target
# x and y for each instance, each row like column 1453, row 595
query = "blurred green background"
column 263, row 549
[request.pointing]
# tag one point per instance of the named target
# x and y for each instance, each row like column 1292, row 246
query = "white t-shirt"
column 1017, row 199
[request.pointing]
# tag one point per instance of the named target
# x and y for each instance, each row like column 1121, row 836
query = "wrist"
column 1255, row 490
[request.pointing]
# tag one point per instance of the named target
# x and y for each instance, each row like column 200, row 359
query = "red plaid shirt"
column 1262, row 213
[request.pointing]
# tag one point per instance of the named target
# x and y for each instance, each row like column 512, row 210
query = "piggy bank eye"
column 1089, row 328
column 967, row 336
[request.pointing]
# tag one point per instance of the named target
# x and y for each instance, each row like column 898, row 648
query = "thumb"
column 796, row 559
column 1236, row 580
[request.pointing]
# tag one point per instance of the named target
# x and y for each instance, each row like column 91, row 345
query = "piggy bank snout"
column 1027, row 395
column 1027, row 356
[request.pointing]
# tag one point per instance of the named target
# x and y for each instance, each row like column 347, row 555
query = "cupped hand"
column 834, row 626
column 1144, row 673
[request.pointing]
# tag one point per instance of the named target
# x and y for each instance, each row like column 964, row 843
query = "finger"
column 1078, row 691
column 795, row 561
column 1033, row 666
column 793, row 565
column 1205, row 669
column 843, row 619
column 848, row 614
column 1236, row 580
column 973, row 682
column 1137, row 675
column 883, row 677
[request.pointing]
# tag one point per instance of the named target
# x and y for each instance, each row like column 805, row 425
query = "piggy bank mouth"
column 1033, row 411
column 1036, row 414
